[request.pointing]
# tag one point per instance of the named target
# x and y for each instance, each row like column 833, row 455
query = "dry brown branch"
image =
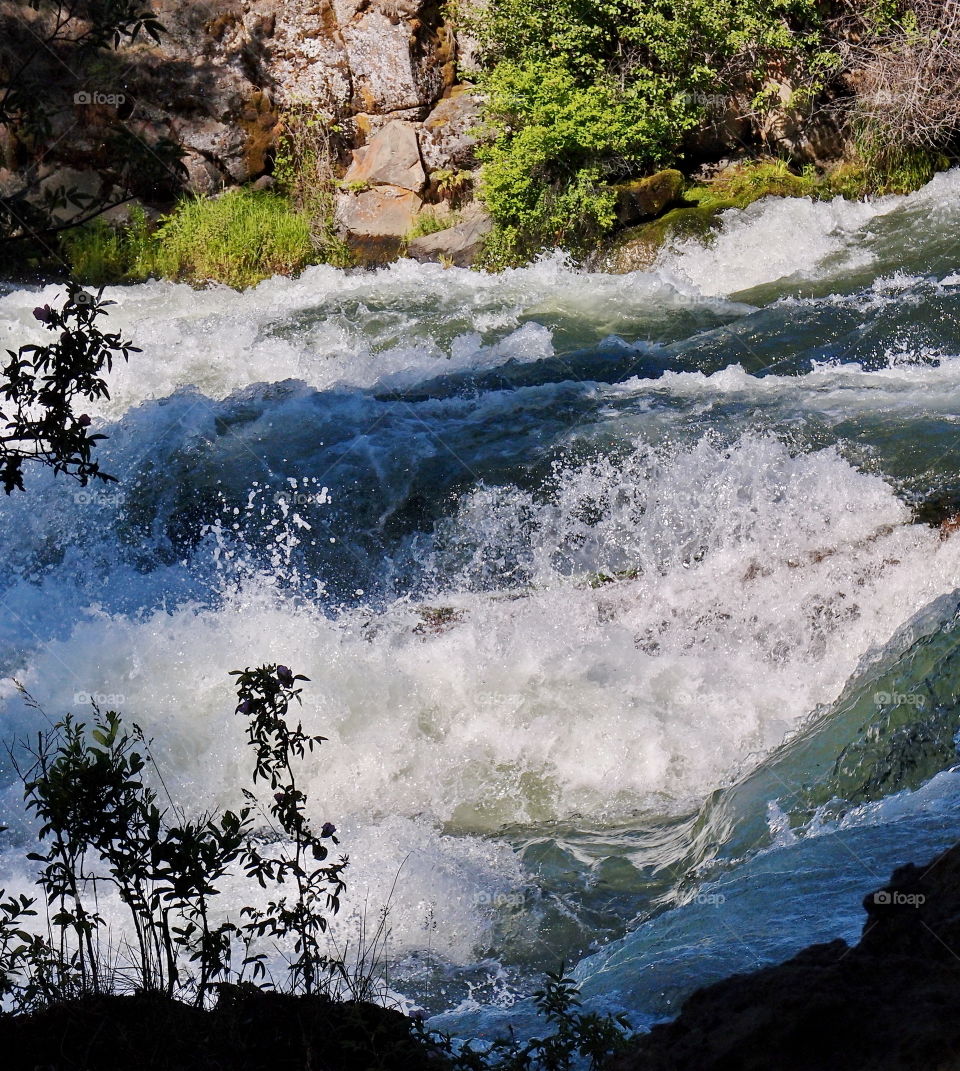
column 908, row 81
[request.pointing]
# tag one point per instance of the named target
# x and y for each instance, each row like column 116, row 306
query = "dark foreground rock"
column 890, row 1003
column 249, row 1030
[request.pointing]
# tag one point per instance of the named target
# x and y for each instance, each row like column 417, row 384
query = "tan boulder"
column 375, row 223
column 391, row 158
column 383, row 212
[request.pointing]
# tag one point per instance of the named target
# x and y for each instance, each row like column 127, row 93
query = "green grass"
column 100, row 253
column 431, row 223
column 239, row 238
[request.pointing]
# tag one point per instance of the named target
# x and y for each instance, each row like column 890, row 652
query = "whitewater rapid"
column 564, row 555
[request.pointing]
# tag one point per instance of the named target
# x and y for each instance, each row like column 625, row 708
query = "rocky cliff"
column 382, row 73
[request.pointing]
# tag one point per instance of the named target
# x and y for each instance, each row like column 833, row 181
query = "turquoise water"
column 627, row 648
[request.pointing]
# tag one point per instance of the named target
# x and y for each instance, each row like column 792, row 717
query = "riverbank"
column 884, row 1004
column 366, row 132
column 247, row 1030
column 881, row 1005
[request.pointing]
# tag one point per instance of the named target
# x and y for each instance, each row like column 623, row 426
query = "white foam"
column 794, row 238
column 566, row 699
column 331, row 328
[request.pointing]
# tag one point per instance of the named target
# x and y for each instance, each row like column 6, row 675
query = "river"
column 626, row 647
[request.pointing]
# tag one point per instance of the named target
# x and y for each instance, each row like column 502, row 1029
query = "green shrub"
column 580, row 92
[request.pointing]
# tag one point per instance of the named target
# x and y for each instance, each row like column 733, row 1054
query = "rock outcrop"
column 377, row 221
column 887, row 1004
column 226, row 69
column 457, row 246
column 448, row 135
column 382, row 73
column 388, row 181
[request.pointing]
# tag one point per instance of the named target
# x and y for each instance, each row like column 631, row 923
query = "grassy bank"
column 245, row 235
column 238, row 238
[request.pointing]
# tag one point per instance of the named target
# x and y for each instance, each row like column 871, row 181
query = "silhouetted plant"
column 87, row 787
column 577, row 1037
column 64, row 789
column 88, row 790
column 15, row 941
column 188, row 863
column 101, row 825
column 264, row 696
column 41, row 386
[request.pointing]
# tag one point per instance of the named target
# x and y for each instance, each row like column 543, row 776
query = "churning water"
column 625, row 645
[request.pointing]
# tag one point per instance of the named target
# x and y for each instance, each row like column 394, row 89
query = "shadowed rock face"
column 214, row 89
column 889, row 1003
column 369, row 62
column 222, row 73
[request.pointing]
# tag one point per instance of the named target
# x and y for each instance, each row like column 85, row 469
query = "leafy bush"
column 87, row 789
column 581, row 92
column 265, row 695
column 101, row 825
column 41, row 385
